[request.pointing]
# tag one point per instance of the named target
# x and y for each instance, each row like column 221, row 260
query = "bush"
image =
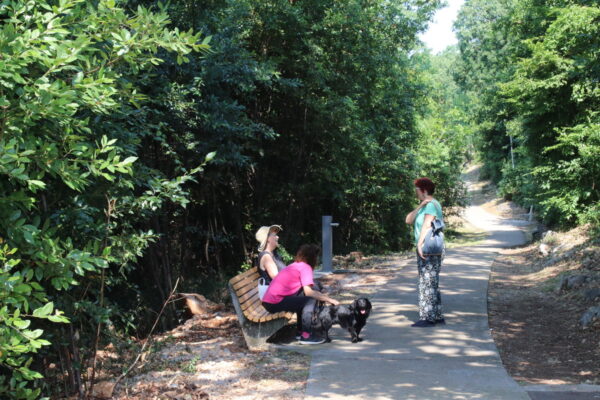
column 67, row 151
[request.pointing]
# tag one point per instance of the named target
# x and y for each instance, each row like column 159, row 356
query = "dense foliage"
column 141, row 144
column 311, row 109
column 446, row 131
column 110, row 112
column 534, row 65
column 71, row 196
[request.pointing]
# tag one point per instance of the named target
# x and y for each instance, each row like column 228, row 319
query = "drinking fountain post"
column 327, row 243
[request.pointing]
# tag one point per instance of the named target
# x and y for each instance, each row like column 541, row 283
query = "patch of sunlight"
column 464, row 235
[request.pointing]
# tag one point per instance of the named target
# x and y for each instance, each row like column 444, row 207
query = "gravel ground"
column 206, row 357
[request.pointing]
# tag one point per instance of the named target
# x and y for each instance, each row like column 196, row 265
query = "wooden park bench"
column 257, row 323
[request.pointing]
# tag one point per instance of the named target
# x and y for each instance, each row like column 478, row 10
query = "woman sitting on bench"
column 292, row 290
column 269, row 262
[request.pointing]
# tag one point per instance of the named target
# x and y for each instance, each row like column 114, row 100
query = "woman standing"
column 430, row 302
column 292, row 290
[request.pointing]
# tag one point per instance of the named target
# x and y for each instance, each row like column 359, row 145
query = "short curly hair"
column 309, row 253
column 426, row 185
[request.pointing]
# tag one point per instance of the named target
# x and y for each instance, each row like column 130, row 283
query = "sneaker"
column 440, row 321
column 312, row 340
column 298, row 335
column 423, row 323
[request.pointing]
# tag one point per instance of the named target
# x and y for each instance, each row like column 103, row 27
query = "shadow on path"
column 454, row 361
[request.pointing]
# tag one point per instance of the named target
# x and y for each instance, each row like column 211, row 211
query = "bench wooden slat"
column 290, row 315
column 249, row 280
column 282, row 314
column 243, row 276
column 267, row 317
column 259, row 314
column 243, row 289
column 252, row 306
column 249, row 295
column 256, row 314
column 247, row 290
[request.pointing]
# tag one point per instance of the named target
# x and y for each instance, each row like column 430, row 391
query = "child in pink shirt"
column 292, row 290
column 293, row 278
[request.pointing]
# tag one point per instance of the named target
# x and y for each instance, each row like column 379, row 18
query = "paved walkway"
column 458, row 360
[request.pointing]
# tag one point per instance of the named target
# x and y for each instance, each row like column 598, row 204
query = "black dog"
column 352, row 317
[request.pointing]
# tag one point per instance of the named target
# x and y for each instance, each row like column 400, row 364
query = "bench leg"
column 255, row 334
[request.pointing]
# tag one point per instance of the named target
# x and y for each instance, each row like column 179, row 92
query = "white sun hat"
column 262, row 234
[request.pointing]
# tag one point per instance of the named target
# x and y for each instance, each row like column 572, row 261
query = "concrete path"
column 458, row 360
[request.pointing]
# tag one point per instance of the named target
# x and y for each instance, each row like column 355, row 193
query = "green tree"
column 533, row 66
column 446, row 129
column 488, row 46
column 556, row 95
column 310, row 107
column 69, row 79
column 349, row 125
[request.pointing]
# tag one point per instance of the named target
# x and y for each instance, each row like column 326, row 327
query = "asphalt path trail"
column 458, row 360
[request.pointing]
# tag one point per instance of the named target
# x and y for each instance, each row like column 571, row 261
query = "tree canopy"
column 143, row 144
column 533, row 67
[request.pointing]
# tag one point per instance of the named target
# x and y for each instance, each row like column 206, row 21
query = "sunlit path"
column 454, row 361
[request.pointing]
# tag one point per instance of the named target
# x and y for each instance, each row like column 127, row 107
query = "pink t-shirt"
column 289, row 281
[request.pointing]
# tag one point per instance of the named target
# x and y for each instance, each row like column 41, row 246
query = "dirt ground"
column 206, row 357
column 536, row 326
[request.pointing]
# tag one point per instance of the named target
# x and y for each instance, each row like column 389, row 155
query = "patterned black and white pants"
column 430, row 300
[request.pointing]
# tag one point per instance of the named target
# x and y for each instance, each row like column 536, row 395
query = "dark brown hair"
column 309, row 253
column 425, row 184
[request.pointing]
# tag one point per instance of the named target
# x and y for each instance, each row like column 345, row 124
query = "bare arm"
column 426, row 224
column 410, row 217
column 308, row 291
column 267, row 263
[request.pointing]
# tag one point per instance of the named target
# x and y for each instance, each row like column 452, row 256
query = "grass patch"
column 463, row 234
column 190, row 365
column 550, row 284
